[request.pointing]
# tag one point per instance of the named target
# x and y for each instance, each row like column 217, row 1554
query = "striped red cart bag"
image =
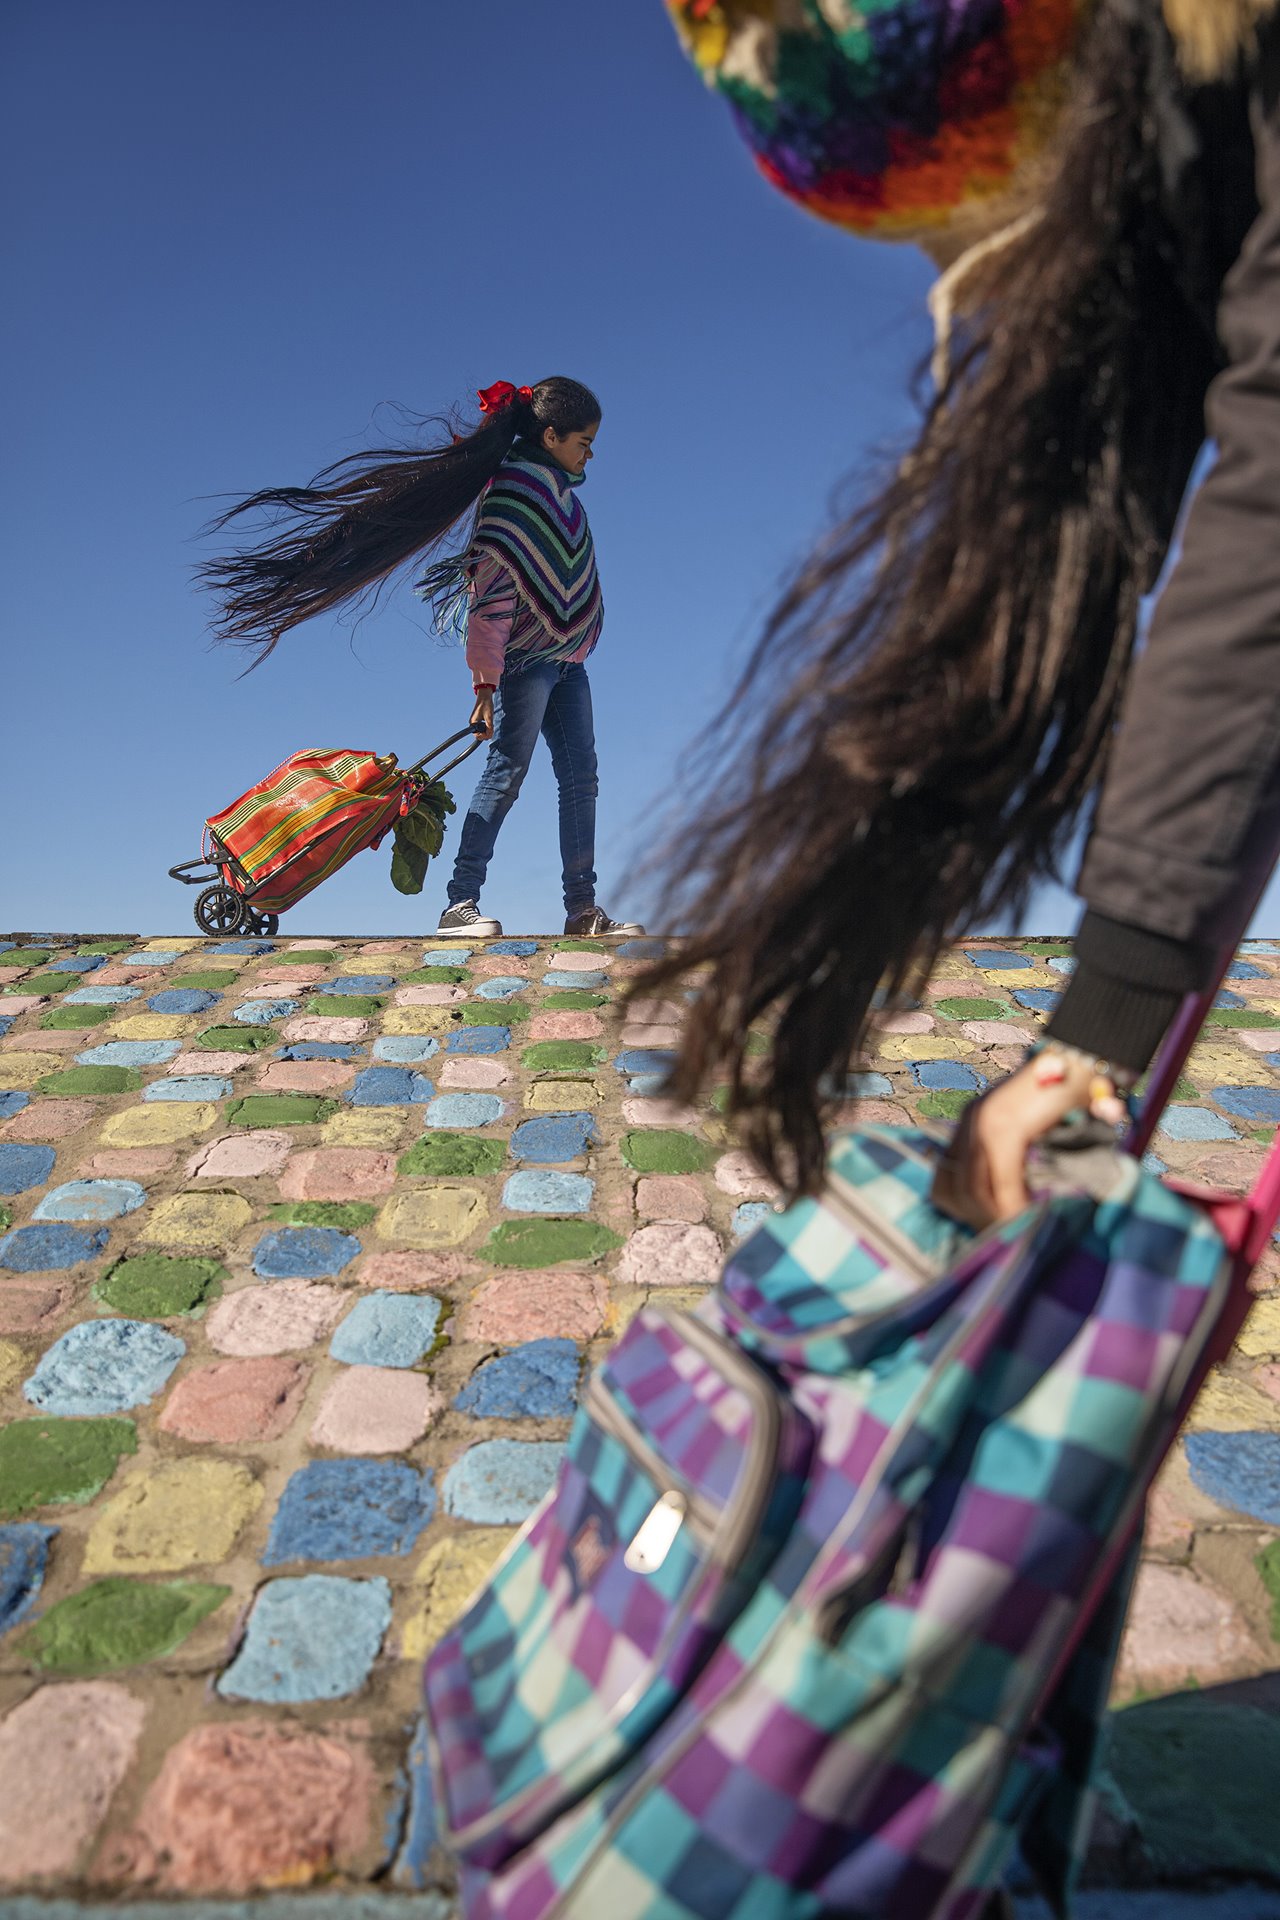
column 304, row 821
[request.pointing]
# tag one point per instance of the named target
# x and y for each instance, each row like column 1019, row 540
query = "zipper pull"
column 656, row 1535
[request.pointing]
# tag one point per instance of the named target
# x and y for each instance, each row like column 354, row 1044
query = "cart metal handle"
column 419, row 766
column 188, row 879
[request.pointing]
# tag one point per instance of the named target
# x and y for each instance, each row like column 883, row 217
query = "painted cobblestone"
column 291, row 1228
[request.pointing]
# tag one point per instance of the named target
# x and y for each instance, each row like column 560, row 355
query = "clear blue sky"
column 234, row 233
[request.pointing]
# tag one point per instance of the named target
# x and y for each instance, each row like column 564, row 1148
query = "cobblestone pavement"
column 306, row 1244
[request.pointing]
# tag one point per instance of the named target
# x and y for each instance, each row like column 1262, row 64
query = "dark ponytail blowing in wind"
column 365, row 516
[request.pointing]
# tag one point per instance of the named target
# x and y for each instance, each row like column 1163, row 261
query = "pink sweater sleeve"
column 493, row 605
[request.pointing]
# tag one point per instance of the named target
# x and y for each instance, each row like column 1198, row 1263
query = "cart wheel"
column 261, row 926
column 219, row 910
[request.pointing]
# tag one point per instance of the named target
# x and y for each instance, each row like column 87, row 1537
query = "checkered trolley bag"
column 821, row 1615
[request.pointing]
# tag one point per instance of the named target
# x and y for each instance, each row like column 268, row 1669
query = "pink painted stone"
column 1005, row 1059
column 54, row 1041
column 565, row 1024
column 285, row 1317
column 272, row 983
column 1261, row 1039
column 48, row 1119
column 437, row 995
column 655, row 1013
column 473, row 1071
column 514, row 1306
column 415, row 1272
column 314, row 1026
column 871, row 1113
column 19, row 1003
column 338, row 1173
column 653, row 1112
column 671, row 1196
column 641, row 1036
column 581, row 962
column 670, row 1254
column 996, row 1033
column 905, row 1023
column 246, row 1804
column 127, row 1163
column 195, row 1062
column 240, row 1156
column 375, row 947
column 737, row 1174
column 1234, row 1169
column 1180, row 1627
column 375, row 1410
column 1267, row 1379
column 30, row 1305
column 1266, row 1273
column 63, row 1753
column 304, row 1076
column 497, row 965
column 310, row 946
column 122, row 976
column 235, row 1400
column 1168, row 1530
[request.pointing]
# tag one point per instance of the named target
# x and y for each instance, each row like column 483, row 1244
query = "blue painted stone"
column 554, row 1138
column 389, row 1087
column 405, row 1047
column 7, row 946
column 1195, row 1123
column 538, row 1381
column 499, row 1482
column 189, row 1086
column 23, row 1166
column 101, row 996
column 103, row 1366
column 239, row 946
column 647, row 1085
column 857, row 1086
column 512, row 949
column 263, row 1013
column 50, row 1248
column 91, row 1200
column 6, row 1021
column 1063, row 963
column 304, row 1253
column 749, row 1215
column 1154, row 1164
column 561, row 977
column 89, row 963
column 1238, row 1470
column 24, row 1549
column 534, row 1192
column 996, row 959
column 478, row 1040
column 946, row 1075
column 130, row 1053
column 361, row 983
column 1042, row 999
column 1260, row 946
column 415, row 1862
column 1249, row 1103
column 645, row 1060
column 464, row 1110
column 446, row 956
column 13, row 1100
column 350, row 1510
column 501, row 986
column 387, row 1330
column 1226, row 999
column 319, row 1050
column 153, row 959
column 1245, row 970
column 1272, row 1060
column 309, row 1639
column 183, row 1000
column 642, row 949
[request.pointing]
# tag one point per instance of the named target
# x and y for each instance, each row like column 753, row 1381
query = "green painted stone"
column 441, row 1153
column 48, row 983
column 579, row 946
column 237, row 1039
column 434, row 977
column 6, row 1219
column 1240, row 1017
column 576, row 998
column 972, row 1009
column 544, row 1243
column 118, row 1623
column 347, row 1215
column 43, row 1462
column 212, row 980
column 66, row 1019
column 948, row 1105
column 1183, row 1091
column 157, row 1286
column 25, row 957
column 493, row 1013
column 321, row 958
column 105, row 946
column 345, row 1006
column 664, row 1150
column 280, row 1110
column 91, row 1080
column 1048, row 949
column 551, row 1056
column 1268, row 1565
column 720, row 1099
column 1161, row 1755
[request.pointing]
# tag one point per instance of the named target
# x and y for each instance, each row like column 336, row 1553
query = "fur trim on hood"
column 1213, row 34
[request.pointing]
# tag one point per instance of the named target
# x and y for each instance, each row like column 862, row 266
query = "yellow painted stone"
column 197, row 1220
column 1225, row 1065
column 439, row 1216
column 923, row 1046
column 158, row 1124
column 24, row 1069
column 954, row 966
column 451, row 1571
column 379, row 963
column 1260, row 1335
column 14, row 1363
column 418, row 1020
column 365, row 1127
column 562, row 1096
column 622, row 1312
column 1228, row 1405
column 176, row 943
column 1020, row 977
column 153, row 1026
column 173, row 1514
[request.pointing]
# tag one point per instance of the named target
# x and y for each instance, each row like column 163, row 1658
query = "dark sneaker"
column 466, row 918
column 593, row 923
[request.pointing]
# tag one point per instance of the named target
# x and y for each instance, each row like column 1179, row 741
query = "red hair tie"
column 501, row 395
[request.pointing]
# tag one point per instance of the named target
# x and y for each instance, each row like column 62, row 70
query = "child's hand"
column 482, row 715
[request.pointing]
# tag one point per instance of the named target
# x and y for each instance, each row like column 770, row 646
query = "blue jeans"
column 553, row 699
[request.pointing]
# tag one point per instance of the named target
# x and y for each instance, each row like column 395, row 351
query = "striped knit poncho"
column 531, row 522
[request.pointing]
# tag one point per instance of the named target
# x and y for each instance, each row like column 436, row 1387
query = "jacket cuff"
column 1126, row 988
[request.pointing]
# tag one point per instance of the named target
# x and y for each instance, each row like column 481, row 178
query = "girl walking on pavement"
column 525, row 588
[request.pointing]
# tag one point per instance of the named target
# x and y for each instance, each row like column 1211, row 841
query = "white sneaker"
column 593, row 923
column 466, row 918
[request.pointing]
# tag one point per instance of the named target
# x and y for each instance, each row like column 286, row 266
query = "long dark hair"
column 365, row 516
column 954, row 654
